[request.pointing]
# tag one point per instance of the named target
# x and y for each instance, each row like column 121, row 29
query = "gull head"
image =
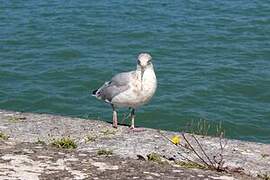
column 144, row 60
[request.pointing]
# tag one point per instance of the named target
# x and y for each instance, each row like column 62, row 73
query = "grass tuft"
column 40, row 142
column 14, row 119
column 104, row 152
column 190, row 165
column 205, row 128
column 107, row 132
column 64, row 143
column 90, row 138
column 155, row 158
column 3, row 136
column 265, row 155
column 264, row 176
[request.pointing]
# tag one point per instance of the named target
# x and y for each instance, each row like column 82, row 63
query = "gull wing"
column 118, row 84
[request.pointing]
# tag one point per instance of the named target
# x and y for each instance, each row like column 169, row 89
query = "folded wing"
column 118, row 84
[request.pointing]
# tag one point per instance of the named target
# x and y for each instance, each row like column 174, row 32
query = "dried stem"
column 203, row 150
column 197, row 154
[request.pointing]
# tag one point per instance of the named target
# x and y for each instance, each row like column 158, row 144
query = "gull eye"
column 149, row 62
column 139, row 62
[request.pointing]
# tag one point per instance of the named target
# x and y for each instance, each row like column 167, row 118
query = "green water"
column 212, row 59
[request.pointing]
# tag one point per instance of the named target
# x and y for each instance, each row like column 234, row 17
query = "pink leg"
column 132, row 127
column 114, row 117
column 132, row 119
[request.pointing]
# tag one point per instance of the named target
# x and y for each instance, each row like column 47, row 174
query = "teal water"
column 211, row 57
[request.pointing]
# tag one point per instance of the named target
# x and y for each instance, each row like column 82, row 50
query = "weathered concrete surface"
column 21, row 157
column 31, row 161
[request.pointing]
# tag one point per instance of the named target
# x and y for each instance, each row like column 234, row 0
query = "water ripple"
column 211, row 59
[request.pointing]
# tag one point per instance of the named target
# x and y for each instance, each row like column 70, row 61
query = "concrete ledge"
column 21, row 157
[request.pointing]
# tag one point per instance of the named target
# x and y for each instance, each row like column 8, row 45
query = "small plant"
column 264, row 176
column 108, row 132
column 40, row 142
column 193, row 145
column 15, row 119
column 64, row 143
column 155, row 158
column 265, row 155
column 3, row 136
column 215, row 162
column 90, row 138
column 205, row 128
column 104, row 152
column 190, row 164
column 202, row 128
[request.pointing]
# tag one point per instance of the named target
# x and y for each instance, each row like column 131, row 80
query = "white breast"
column 149, row 85
column 140, row 92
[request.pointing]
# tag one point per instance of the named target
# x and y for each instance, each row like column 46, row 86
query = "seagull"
column 129, row 89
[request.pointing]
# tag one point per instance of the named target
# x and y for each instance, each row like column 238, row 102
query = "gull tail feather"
column 97, row 93
column 94, row 93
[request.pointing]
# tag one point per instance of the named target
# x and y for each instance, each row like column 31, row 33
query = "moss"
column 265, row 155
column 264, row 176
column 155, row 158
column 40, row 142
column 3, row 136
column 190, row 165
column 14, row 119
column 64, row 143
column 107, row 132
column 104, row 152
column 90, row 138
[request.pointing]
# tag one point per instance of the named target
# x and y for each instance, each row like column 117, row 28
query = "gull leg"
column 132, row 118
column 132, row 127
column 114, row 117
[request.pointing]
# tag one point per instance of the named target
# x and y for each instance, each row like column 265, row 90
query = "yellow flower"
column 175, row 139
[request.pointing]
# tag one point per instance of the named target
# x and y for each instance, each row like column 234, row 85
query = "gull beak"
column 142, row 72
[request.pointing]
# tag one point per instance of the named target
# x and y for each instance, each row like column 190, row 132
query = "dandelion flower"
column 175, row 139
